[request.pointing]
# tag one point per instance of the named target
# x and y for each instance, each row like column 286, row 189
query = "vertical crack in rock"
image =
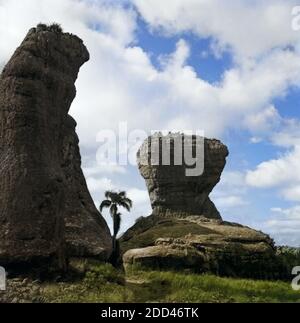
column 41, row 183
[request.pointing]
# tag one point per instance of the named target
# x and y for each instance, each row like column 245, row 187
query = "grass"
column 101, row 284
column 104, row 284
column 212, row 289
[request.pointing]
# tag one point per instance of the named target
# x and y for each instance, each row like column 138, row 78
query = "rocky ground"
column 22, row 290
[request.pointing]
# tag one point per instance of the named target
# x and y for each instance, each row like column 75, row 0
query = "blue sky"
column 207, row 66
column 230, row 68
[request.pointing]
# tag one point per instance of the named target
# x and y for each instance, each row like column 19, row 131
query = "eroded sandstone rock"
column 202, row 245
column 171, row 190
column 186, row 230
column 41, row 183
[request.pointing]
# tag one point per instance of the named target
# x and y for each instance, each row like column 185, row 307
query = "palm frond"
column 104, row 204
column 108, row 194
column 125, row 206
column 128, row 201
column 113, row 196
column 122, row 194
column 113, row 209
column 116, row 199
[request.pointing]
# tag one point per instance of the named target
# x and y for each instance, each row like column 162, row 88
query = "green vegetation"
column 56, row 28
column 104, row 283
column 164, row 228
column 113, row 201
column 290, row 257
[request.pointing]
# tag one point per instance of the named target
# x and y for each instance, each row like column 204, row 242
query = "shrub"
column 56, row 28
column 290, row 257
column 42, row 27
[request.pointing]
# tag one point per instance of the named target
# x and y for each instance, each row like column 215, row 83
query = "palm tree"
column 112, row 201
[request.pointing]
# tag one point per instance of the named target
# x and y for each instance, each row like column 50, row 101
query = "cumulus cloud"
column 230, row 201
column 247, row 29
column 231, row 192
column 120, row 80
column 76, row 16
column 263, row 122
column 284, row 225
column 283, row 173
column 109, row 169
column 288, row 135
column 97, row 185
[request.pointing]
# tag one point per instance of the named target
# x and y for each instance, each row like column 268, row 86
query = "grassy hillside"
column 103, row 283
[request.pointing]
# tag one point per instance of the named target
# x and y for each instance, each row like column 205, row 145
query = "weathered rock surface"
column 202, row 245
column 171, row 190
column 41, row 183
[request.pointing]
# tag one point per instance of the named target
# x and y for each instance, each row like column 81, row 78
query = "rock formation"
column 186, row 230
column 171, row 190
column 201, row 245
column 41, row 184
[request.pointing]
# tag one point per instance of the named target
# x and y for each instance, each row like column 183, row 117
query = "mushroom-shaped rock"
column 175, row 184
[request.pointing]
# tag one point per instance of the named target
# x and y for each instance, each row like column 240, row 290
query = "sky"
column 229, row 68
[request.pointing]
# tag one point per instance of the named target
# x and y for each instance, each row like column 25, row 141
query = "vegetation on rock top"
column 55, row 27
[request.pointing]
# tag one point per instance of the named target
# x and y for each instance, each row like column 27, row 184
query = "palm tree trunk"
column 114, row 240
column 115, row 253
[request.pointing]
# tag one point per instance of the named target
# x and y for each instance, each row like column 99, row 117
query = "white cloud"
column 289, row 134
column 18, row 16
column 120, row 82
column 284, row 225
column 248, row 28
column 99, row 184
column 290, row 214
column 264, row 121
column 228, row 202
column 256, row 140
column 282, row 174
column 291, row 193
column 277, row 172
column 231, row 192
column 140, row 197
column 108, row 169
column 259, row 35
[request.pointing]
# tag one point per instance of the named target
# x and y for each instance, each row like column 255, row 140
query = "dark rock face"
column 171, row 190
column 36, row 163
